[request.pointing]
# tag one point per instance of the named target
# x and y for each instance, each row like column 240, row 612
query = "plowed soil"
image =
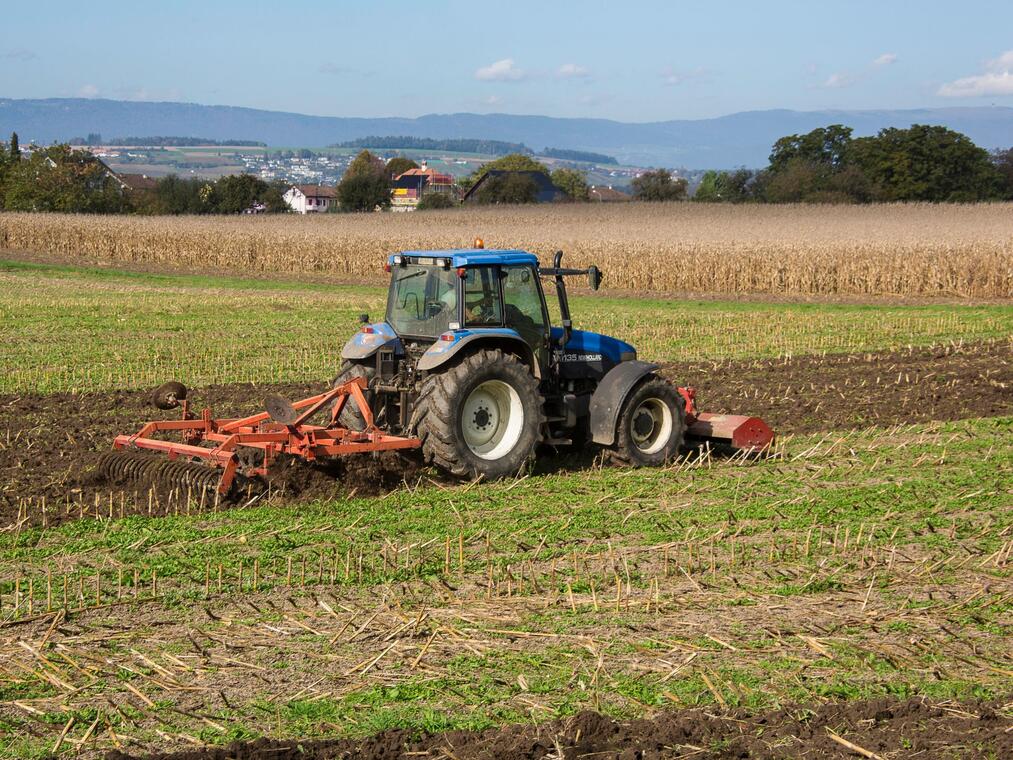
column 49, row 444
column 875, row 728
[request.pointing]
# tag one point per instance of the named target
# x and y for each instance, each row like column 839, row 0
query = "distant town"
column 323, row 166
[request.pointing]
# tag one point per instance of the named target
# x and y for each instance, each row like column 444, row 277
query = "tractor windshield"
column 422, row 301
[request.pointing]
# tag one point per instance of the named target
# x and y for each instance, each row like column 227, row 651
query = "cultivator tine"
column 151, row 469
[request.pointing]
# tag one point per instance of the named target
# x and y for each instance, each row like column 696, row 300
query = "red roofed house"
column 408, row 188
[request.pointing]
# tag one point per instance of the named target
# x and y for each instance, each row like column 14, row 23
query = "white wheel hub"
column 492, row 419
column 651, row 425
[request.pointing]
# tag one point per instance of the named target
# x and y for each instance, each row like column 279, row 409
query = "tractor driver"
column 479, row 308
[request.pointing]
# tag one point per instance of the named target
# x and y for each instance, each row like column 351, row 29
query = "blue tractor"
column 466, row 367
column 467, row 360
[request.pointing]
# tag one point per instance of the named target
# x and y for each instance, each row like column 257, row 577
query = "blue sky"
column 632, row 61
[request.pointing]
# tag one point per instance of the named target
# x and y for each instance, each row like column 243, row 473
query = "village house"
column 408, row 188
column 310, row 199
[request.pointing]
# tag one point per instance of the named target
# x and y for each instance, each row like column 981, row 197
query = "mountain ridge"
column 739, row 139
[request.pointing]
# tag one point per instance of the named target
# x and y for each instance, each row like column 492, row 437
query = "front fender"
column 443, row 351
column 608, row 398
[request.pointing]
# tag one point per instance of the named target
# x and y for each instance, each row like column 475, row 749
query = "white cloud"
column 493, row 100
column 997, row 79
column 88, row 91
column 838, row 80
column 501, row 71
column 885, row 60
column 572, row 71
column 674, row 78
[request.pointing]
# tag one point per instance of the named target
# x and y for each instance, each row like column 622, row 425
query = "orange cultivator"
column 214, row 452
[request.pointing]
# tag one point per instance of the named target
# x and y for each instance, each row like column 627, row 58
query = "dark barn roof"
column 547, row 192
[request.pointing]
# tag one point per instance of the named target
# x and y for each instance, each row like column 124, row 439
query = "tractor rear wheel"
column 350, row 416
column 651, row 426
column 480, row 418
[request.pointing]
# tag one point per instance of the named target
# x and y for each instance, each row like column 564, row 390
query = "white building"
column 309, row 199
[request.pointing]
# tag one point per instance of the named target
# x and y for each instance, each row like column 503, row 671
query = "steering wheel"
column 482, row 309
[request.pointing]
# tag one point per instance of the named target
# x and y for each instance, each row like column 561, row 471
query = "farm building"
column 408, row 188
column 135, row 183
column 309, row 199
column 606, row 194
column 547, row 192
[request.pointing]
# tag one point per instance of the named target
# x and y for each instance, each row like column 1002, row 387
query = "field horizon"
column 952, row 252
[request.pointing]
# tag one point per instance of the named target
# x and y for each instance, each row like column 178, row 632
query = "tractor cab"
column 469, row 289
column 444, row 301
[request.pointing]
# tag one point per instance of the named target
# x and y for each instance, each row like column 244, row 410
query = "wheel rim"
column 651, row 425
column 492, row 419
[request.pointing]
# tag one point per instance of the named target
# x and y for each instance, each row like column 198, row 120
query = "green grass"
column 76, row 328
column 561, row 511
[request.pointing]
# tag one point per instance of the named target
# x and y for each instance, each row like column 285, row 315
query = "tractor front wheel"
column 651, row 424
column 480, row 418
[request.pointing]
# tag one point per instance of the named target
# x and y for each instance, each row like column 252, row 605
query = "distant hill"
column 740, row 139
column 457, row 145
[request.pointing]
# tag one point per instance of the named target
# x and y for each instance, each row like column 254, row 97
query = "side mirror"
column 594, row 277
column 364, row 318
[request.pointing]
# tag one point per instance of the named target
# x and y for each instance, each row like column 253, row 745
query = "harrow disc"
column 152, row 470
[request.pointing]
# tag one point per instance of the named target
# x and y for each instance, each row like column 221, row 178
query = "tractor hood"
column 586, row 346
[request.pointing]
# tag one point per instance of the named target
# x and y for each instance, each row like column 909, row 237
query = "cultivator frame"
column 282, row 430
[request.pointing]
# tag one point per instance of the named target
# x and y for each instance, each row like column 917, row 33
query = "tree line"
column 826, row 165
column 160, row 141
column 829, row 165
column 60, row 179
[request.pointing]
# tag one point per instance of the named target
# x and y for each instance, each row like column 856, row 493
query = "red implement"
column 740, row 432
column 284, row 430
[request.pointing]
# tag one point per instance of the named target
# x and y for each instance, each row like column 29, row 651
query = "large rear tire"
column 480, row 418
column 350, row 416
column 651, row 425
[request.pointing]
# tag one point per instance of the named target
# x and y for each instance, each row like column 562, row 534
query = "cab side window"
column 481, row 297
column 523, row 303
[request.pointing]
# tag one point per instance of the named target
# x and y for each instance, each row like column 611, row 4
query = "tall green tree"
column 15, row 146
column 726, row 187
column 512, row 162
column 572, row 182
column 236, row 193
column 364, row 185
column 399, row 165
column 58, row 178
column 825, row 146
column 1003, row 160
column 511, row 187
column 659, row 185
column 926, row 163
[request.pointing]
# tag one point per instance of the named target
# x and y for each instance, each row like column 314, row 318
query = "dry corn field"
column 917, row 250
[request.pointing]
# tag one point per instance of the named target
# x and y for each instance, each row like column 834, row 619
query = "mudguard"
column 608, row 398
column 443, row 350
column 362, row 345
